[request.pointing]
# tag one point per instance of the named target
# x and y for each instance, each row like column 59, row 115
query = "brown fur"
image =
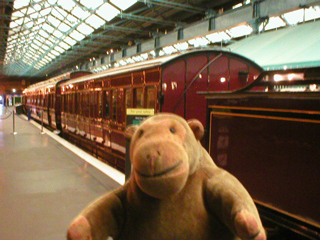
column 175, row 192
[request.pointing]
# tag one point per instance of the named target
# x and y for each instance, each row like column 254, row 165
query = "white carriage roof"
column 127, row 68
column 47, row 83
column 292, row 47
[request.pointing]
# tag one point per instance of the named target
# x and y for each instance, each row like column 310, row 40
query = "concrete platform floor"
column 43, row 185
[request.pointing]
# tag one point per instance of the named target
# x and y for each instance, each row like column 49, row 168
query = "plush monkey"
column 175, row 192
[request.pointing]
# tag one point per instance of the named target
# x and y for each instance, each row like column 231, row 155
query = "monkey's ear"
column 197, row 128
column 130, row 130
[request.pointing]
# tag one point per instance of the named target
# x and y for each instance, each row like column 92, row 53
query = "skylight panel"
column 34, row 15
column 40, row 39
column 48, row 28
column 41, row 50
column 43, row 33
column 13, row 24
column 17, row 14
column 26, row 33
column 67, row 4
column 48, row 59
column 85, row 29
column 201, row 41
column 32, row 50
column 52, row 2
column 37, row 42
column 57, row 34
column 70, row 41
column 76, row 35
column 294, row 17
column 64, row 45
column 20, row 4
column 29, row 24
column 45, row 47
column 63, row 14
column 95, row 21
column 52, row 39
column 51, row 55
column 55, row 22
column 123, row 4
column 240, row 31
column 37, row 7
column 56, row 13
column 19, row 21
column 169, row 50
column 91, row 4
column 107, row 11
column 79, row 13
column 64, row 27
column 181, row 46
column 30, row 10
column 54, row 52
column 218, row 37
column 72, row 20
column 312, row 13
column 59, row 49
column 274, row 22
column 26, row 61
column 45, row 12
column 34, row 46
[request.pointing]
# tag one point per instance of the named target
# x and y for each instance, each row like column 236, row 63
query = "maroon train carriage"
column 94, row 107
column 267, row 135
column 42, row 100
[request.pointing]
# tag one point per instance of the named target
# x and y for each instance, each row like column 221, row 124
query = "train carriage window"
column 63, row 102
column 138, row 98
column 49, row 100
column 114, row 105
column 70, row 98
column 53, row 100
column 128, row 98
column 77, row 103
column 92, row 104
column 74, row 102
column 99, row 105
column 106, row 104
column 65, row 105
column 121, row 109
column 151, row 97
column 86, row 109
column 79, row 107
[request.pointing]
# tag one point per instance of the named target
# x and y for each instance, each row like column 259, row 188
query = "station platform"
column 44, row 180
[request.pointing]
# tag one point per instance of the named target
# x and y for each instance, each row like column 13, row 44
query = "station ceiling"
column 39, row 36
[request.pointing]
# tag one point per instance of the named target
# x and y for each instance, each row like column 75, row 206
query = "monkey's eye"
column 140, row 133
column 173, row 130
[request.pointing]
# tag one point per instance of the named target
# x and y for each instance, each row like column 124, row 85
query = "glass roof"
column 41, row 30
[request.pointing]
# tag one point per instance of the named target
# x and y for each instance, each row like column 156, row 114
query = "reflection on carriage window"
column 128, row 98
column 151, row 97
column 114, row 105
column 138, row 97
column 107, row 105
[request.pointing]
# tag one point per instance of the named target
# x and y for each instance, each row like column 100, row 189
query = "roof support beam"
column 144, row 19
column 175, row 5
